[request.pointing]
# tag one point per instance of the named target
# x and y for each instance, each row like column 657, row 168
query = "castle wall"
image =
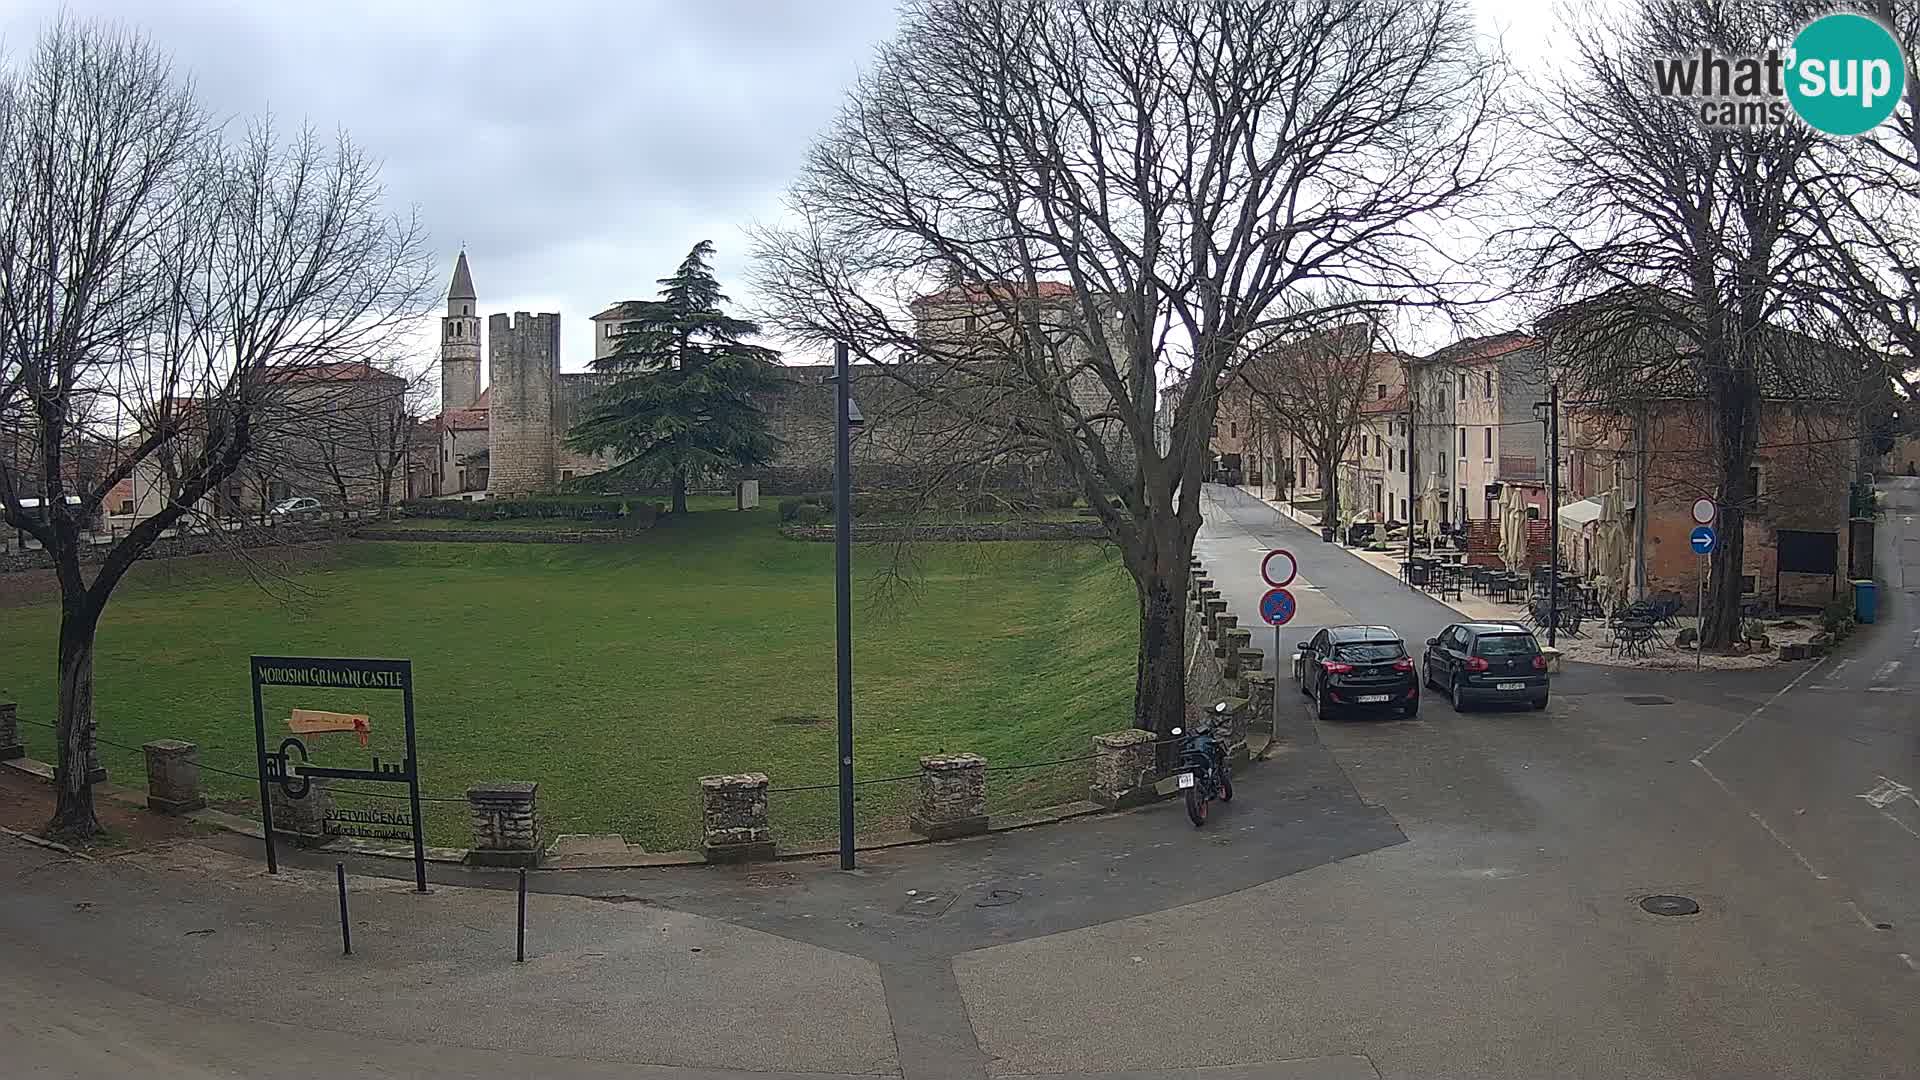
column 524, row 359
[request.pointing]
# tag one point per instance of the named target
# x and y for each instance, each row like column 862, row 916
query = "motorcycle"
column 1203, row 771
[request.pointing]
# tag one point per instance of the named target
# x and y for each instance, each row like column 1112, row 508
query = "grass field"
column 615, row 675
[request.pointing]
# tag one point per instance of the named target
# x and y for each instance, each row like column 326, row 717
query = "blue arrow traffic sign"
column 1277, row 607
column 1702, row 540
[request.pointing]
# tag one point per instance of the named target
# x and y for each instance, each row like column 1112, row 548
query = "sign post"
column 1277, row 607
column 1702, row 540
column 289, row 766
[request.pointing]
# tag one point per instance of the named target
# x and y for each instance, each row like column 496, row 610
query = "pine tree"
column 680, row 407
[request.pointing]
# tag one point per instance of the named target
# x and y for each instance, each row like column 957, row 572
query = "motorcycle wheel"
column 1226, row 789
column 1196, row 806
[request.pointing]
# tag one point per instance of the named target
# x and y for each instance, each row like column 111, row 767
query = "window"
column 1380, row 391
column 1463, row 505
column 1403, row 509
column 1506, row 645
column 1489, row 453
column 1233, row 428
column 1753, row 481
column 1488, row 376
column 973, row 324
column 1369, row 652
column 126, row 506
column 466, row 309
column 567, row 474
column 1463, row 384
column 1463, row 439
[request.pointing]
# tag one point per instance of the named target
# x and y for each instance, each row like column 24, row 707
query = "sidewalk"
column 1594, row 645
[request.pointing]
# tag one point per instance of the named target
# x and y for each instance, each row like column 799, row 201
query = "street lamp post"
column 843, row 421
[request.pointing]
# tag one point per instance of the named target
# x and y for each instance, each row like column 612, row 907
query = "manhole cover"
column 1670, row 905
column 998, row 898
column 1649, row 699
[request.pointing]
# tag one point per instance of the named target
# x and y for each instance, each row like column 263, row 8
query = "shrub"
column 1837, row 618
column 789, row 507
column 576, row 508
column 1753, row 630
column 809, row 514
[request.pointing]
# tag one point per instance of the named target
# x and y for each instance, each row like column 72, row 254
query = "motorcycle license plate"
column 1186, row 780
column 1511, row 686
column 1369, row 699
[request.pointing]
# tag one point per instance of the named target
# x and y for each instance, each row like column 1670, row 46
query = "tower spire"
column 462, row 287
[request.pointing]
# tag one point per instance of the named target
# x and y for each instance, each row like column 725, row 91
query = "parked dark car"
column 1358, row 669
column 1487, row 663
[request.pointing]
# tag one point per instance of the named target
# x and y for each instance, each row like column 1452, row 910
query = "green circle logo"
column 1848, row 74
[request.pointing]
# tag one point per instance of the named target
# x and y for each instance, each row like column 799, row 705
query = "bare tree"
column 362, row 438
column 150, row 270
column 1311, row 386
column 1673, row 251
column 1035, row 211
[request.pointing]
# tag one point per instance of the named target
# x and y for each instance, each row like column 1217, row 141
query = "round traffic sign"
column 1277, row 607
column 1703, row 511
column 1279, row 568
column 1702, row 539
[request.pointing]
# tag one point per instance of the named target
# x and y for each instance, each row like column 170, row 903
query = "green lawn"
column 617, row 674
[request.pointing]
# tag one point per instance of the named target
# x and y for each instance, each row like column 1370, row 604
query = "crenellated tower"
column 524, row 366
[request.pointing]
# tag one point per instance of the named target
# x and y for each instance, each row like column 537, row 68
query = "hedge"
column 574, row 509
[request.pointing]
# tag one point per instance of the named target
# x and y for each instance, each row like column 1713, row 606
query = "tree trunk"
column 73, row 817
column 1736, row 424
column 679, row 491
column 1330, row 514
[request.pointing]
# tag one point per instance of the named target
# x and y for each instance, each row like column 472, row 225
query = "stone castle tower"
column 524, row 365
column 460, row 343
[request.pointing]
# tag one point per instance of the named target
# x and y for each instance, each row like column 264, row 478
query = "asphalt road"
column 1455, row 896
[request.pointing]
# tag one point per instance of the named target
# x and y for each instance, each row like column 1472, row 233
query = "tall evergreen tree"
column 680, row 407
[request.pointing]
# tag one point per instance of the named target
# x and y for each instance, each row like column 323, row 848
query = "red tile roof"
column 344, row 371
column 1002, row 290
column 1474, row 350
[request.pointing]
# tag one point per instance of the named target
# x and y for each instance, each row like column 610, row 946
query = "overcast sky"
column 576, row 150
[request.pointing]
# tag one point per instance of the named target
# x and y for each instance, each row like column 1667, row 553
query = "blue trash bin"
column 1866, row 601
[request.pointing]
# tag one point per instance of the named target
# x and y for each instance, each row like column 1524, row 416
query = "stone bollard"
column 733, row 818
column 953, row 796
column 1250, row 661
column 305, row 818
column 1232, row 640
column 1225, row 625
column 1232, row 730
column 1123, row 769
column 1214, row 609
column 10, row 745
column 173, row 776
column 506, row 824
column 1259, row 689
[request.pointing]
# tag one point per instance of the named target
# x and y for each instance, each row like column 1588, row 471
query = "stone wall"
column 501, row 536
column 198, row 543
column 523, row 357
column 986, row 530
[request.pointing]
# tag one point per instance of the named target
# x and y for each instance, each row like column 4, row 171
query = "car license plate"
column 1186, row 780
column 1512, row 686
column 1369, row 699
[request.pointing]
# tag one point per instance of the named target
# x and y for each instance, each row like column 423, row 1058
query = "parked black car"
column 1482, row 663
column 1358, row 669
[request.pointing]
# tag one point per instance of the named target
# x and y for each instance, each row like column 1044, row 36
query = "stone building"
column 923, row 426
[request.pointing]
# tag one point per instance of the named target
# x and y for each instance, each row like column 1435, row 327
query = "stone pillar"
column 1259, row 689
column 1123, row 772
column 305, row 818
column 1224, row 627
column 1232, row 730
column 506, row 824
column 173, row 776
column 1250, row 661
column 1232, row 640
column 10, row 745
column 953, row 796
column 1215, row 608
column 733, row 818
